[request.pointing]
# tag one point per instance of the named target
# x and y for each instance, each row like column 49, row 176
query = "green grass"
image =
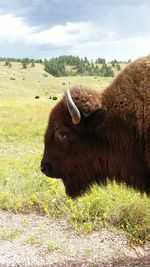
column 114, row 206
column 51, row 246
column 33, row 240
column 23, row 188
column 35, row 81
column 8, row 234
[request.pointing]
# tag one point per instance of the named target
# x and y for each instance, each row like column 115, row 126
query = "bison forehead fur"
column 112, row 138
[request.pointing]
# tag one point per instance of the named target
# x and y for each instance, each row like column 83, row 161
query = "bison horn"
column 74, row 112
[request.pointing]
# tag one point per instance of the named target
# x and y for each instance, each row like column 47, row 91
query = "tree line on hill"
column 24, row 61
column 27, row 60
column 73, row 65
column 70, row 65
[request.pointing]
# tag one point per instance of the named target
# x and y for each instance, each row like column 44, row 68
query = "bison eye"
column 65, row 135
column 61, row 136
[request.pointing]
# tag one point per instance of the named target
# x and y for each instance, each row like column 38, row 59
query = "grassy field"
column 23, row 188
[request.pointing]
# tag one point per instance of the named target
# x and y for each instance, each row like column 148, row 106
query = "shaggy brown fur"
column 112, row 140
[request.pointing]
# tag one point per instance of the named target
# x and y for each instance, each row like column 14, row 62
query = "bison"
column 95, row 135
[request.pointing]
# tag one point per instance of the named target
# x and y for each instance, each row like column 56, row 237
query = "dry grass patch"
column 9, row 234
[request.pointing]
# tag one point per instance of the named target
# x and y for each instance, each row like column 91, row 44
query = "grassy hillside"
column 23, row 188
column 18, row 82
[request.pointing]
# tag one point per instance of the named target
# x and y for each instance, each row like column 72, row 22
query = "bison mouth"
column 49, row 171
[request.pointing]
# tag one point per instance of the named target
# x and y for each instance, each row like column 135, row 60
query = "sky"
column 111, row 29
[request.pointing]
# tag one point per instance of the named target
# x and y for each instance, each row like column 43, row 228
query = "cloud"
column 122, row 49
column 111, row 29
column 59, row 35
column 68, row 33
column 12, row 28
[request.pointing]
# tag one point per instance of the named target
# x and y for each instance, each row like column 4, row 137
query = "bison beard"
column 93, row 136
column 76, row 187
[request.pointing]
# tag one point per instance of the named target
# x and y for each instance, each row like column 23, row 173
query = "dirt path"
column 31, row 240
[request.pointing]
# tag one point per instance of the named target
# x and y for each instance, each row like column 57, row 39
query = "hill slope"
column 19, row 82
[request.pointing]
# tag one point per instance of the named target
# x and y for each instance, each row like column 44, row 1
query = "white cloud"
column 71, row 34
column 121, row 49
column 81, row 38
column 60, row 34
column 12, row 28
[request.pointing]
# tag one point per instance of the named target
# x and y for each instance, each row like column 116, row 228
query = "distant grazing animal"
column 53, row 97
column 37, row 97
column 92, row 136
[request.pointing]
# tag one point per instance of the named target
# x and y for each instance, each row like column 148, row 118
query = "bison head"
column 72, row 139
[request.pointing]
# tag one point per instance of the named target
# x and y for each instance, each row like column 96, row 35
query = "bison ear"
column 95, row 119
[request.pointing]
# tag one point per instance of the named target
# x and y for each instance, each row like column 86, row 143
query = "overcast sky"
column 101, row 28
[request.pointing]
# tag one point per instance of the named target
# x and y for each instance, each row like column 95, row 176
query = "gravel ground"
column 31, row 240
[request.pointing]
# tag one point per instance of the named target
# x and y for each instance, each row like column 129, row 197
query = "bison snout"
column 49, row 170
column 46, row 168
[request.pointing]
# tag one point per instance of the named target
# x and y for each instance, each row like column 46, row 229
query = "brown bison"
column 92, row 136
